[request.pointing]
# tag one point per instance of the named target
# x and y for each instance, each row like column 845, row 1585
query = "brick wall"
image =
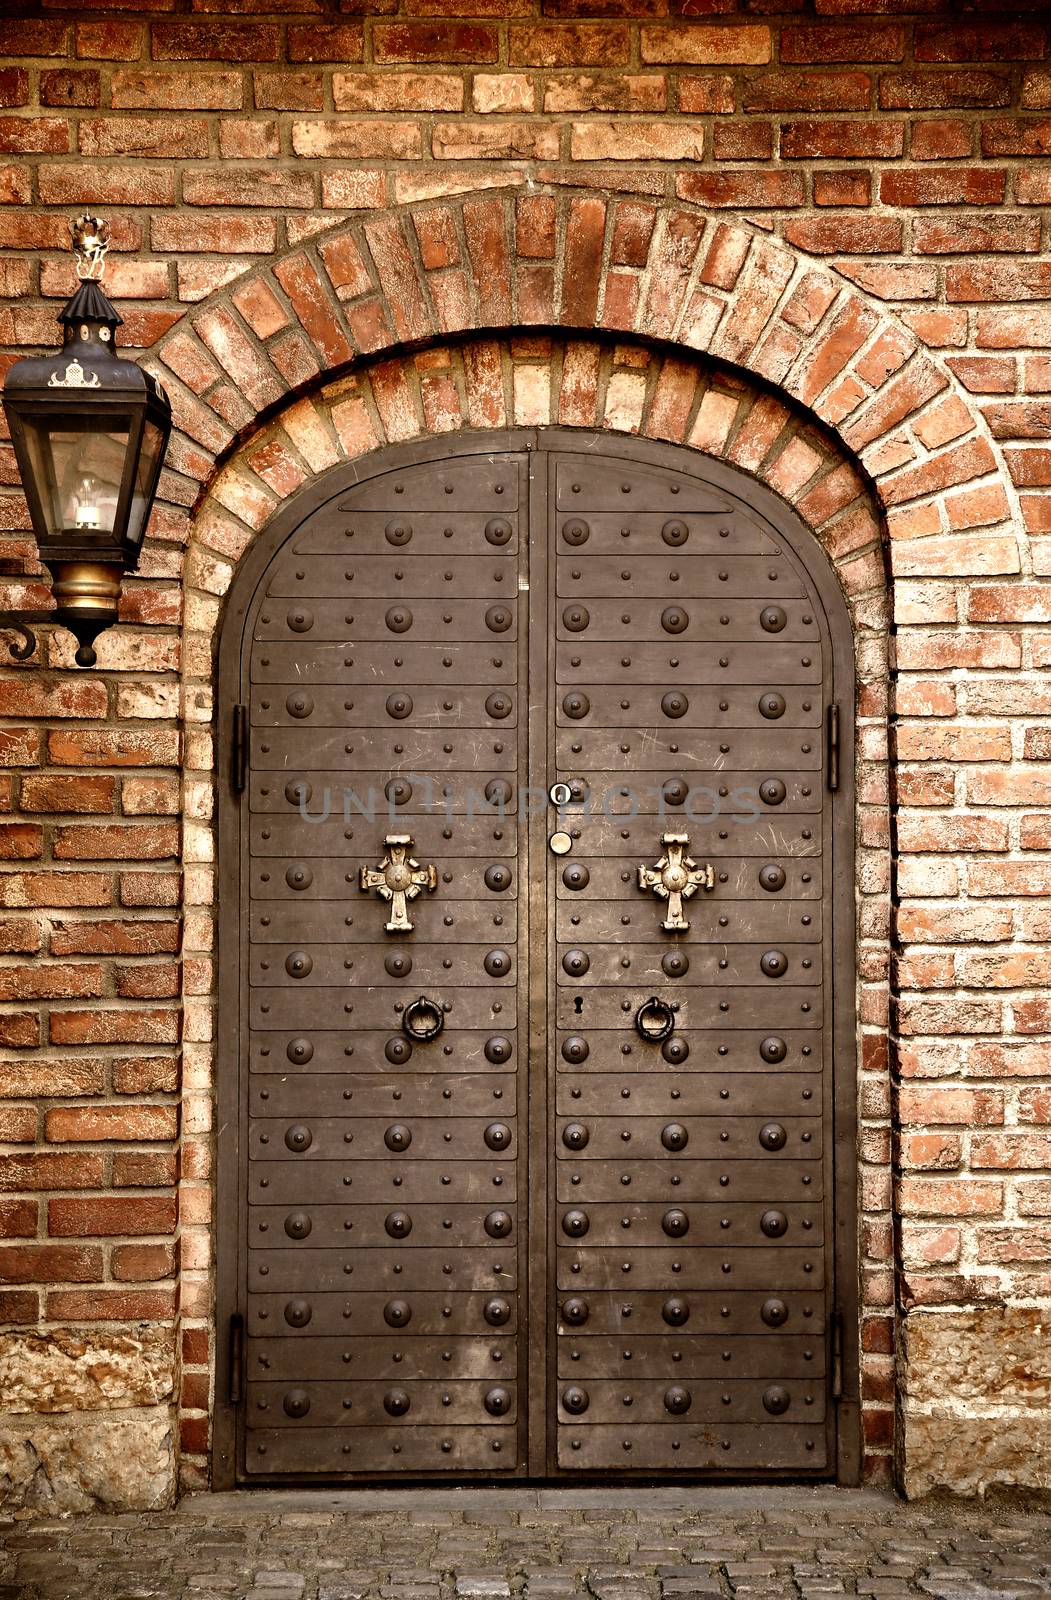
column 845, row 207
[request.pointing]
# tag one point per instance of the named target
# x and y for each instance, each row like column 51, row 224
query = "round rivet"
column 675, row 1050
column 498, row 531
column 772, row 705
column 675, row 1223
column 675, row 533
column 397, row 1136
column 497, row 877
column 576, row 963
column 397, row 533
column 498, row 619
column 398, row 619
column 773, row 1049
column 497, row 1311
column 497, row 1402
column 772, row 1136
column 575, row 1312
column 575, row 1136
column 674, row 1136
column 300, row 620
column 497, row 1136
column 677, row 1400
column 576, row 705
column 498, row 792
column 771, row 877
column 576, row 532
column 396, row 1402
column 398, row 1224
column 575, row 1400
column 675, row 964
column 299, row 1051
column 298, row 1313
column 575, row 1224
column 575, row 1049
column 776, row 1399
column 296, row 1403
column 299, row 704
column 773, row 964
column 772, row 619
column 772, row 791
column 397, row 1313
column 576, row 618
column 675, row 1312
column 399, row 706
column 299, row 1137
column 674, row 704
column 397, row 1050
column 297, row 1225
column 773, row 1224
column 497, row 1049
column 497, row 963
column 398, row 964
column 498, row 706
column 576, row 875
column 498, row 1224
column 774, row 1312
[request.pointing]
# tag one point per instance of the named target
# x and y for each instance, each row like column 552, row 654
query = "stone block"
column 89, row 1461
column 86, row 1369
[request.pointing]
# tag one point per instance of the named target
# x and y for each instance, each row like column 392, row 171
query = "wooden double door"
column 536, row 1070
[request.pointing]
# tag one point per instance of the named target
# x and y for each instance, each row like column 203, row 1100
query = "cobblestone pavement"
column 610, row 1544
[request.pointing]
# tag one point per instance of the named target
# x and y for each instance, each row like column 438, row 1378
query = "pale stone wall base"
column 89, row 1460
column 976, row 1405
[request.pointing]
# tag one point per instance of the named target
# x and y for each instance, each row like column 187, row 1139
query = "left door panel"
column 382, row 1267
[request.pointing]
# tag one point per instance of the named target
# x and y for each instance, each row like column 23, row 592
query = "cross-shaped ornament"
column 675, row 877
column 399, row 879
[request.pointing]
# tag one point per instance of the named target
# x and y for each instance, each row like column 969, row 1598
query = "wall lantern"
column 89, row 432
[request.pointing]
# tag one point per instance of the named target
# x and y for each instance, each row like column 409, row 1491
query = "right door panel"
column 690, row 675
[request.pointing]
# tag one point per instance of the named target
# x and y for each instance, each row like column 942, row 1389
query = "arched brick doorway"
column 744, row 1339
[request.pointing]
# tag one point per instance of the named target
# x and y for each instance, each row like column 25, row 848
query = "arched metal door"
column 537, row 1151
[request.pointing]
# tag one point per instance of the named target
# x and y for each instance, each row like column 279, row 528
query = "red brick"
column 743, row 141
column 128, row 1124
column 62, row 87
column 804, row 90
column 577, row 91
column 711, row 95
column 943, row 186
column 20, row 841
column 999, row 280
column 706, row 44
column 226, row 185
column 499, row 140
column 55, row 793
column 987, row 41
column 941, row 139
column 111, row 1305
column 28, row 37
column 402, row 91
column 142, row 1263
column 18, row 1219
column 842, row 188
column 950, row 1197
column 962, row 235
column 93, row 184
column 116, row 841
column 111, row 1216
column 150, row 888
column 214, row 40
column 149, row 1169
column 334, row 41
column 146, row 1075
column 846, row 235
column 1011, row 1151
column 109, row 41
column 14, row 86
column 748, row 188
column 853, row 140
column 470, row 43
column 50, row 1263
column 825, row 42
column 931, row 91
column 111, row 1025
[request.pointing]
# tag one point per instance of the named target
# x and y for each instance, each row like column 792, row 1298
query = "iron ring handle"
column 418, row 1029
column 663, row 1011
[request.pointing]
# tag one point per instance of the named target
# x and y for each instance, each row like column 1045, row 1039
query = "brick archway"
column 487, row 312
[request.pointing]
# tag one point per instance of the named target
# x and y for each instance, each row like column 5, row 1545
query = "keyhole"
column 578, row 1004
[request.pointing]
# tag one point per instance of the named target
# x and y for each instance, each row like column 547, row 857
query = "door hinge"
column 239, row 748
column 836, row 1330
column 237, row 1352
column 833, row 746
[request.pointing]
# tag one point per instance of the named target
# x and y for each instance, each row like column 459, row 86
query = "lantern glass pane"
column 146, row 470
column 78, row 468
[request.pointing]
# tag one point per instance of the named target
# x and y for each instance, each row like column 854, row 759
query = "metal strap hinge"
column 237, row 1352
column 239, row 749
column 836, row 1330
column 833, row 746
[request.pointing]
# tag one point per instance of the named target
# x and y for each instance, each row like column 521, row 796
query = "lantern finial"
column 90, row 243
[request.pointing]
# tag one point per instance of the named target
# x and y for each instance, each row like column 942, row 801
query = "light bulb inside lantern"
column 87, row 503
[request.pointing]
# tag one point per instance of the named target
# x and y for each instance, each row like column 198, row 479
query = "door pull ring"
column 655, row 1018
column 423, row 1019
